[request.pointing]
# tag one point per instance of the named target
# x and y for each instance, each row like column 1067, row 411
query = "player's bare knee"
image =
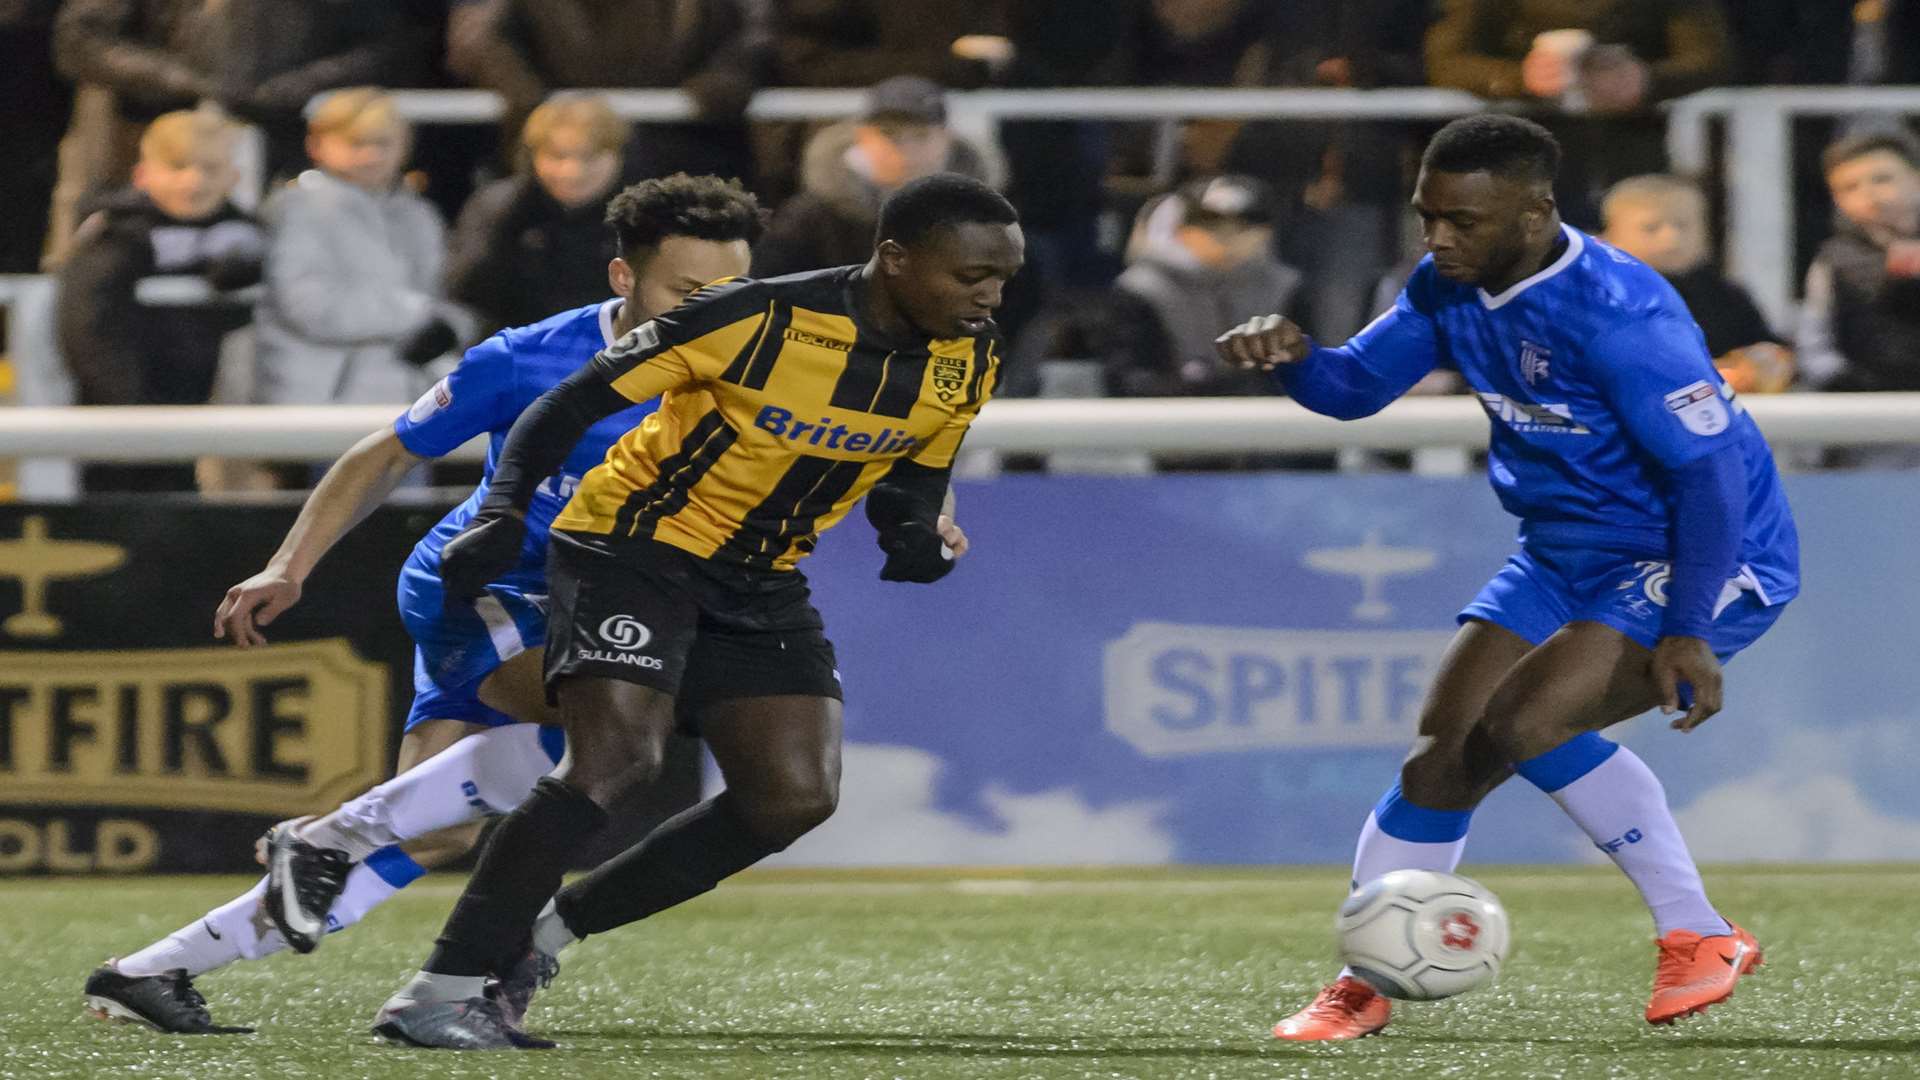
column 1434, row 776
column 782, row 819
column 1517, row 729
column 610, row 755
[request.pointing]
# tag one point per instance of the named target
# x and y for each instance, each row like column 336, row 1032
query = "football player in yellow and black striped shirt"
column 673, row 574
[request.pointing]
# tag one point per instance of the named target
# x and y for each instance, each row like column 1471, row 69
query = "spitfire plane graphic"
column 1373, row 563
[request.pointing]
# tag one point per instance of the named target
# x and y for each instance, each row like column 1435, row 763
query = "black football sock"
column 681, row 858
column 518, row 872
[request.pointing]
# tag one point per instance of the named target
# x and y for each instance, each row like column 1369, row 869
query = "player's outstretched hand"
column 918, row 552
column 1263, row 343
column 254, row 603
column 1687, row 660
column 488, row 547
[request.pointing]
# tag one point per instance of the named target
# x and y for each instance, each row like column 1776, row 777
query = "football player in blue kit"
column 465, row 752
column 1655, row 541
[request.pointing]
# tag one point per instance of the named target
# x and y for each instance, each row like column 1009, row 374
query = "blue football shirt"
column 486, row 393
column 1597, row 382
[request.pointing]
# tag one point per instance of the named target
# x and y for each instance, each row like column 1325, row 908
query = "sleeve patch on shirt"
column 437, row 397
column 1699, row 408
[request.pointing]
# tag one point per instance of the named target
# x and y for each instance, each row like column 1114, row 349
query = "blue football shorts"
column 1543, row 588
column 456, row 647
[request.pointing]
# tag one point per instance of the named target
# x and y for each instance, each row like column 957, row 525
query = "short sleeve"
column 475, row 398
column 1656, row 376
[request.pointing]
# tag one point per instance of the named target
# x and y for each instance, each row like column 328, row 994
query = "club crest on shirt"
column 1534, row 362
column 949, row 375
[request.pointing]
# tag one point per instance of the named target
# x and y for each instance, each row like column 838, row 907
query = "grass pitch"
column 1006, row 975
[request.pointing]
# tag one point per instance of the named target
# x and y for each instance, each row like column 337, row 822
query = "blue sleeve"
column 1709, row 519
column 1656, row 376
column 1374, row 367
column 475, row 399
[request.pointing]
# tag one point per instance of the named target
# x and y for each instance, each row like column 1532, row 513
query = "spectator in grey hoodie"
column 353, row 311
column 1198, row 260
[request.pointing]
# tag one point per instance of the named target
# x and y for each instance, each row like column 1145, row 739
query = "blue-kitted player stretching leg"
column 1655, row 542
column 477, row 667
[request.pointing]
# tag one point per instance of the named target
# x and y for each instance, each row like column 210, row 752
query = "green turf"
column 1015, row 975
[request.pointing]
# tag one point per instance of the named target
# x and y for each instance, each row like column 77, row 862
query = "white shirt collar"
column 606, row 319
column 1575, row 245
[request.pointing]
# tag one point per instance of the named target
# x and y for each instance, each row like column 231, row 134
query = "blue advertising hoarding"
column 1229, row 668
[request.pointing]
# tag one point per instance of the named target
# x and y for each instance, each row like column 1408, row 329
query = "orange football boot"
column 1347, row 1009
column 1695, row 972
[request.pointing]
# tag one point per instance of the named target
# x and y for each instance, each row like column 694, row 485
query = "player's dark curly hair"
column 1491, row 142
column 702, row 207
column 941, row 201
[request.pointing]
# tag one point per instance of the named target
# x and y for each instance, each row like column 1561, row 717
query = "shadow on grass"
column 1153, row 1045
column 1652, row 1042
column 1173, row 1044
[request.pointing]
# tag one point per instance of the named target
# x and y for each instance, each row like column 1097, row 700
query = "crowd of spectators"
column 1145, row 239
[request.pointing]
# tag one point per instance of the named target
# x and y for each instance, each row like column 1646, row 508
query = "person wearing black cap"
column 851, row 167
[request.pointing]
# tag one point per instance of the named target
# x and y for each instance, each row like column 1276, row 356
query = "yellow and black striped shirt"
column 782, row 408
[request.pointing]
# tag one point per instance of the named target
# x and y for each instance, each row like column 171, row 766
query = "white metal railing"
column 1154, row 425
column 1119, row 103
column 1759, row 170
column 977, row 114
column 1760, row 247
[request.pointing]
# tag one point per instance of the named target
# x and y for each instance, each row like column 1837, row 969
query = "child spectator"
column 850, row 168
column 1860, row 329
column 353, row 310
column 533, row 244
column 174, row 219
column 1662, row 221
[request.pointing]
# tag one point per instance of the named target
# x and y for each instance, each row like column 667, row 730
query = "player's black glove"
column 429, row 343
column 487, row 548
column 915, row 552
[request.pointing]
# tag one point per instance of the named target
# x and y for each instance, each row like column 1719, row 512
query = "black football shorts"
column 645, row 612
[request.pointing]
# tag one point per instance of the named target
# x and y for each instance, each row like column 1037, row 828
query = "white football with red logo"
column 1420, row 935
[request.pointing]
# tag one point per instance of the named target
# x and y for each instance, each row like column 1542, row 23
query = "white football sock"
column 240, row 930
column 550, row 933
column 1611, row 794
column 1411, row 838
column 426, row 986
column 370, row 884
column 489, row 772
column 236, row 930
column 1378, row 853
